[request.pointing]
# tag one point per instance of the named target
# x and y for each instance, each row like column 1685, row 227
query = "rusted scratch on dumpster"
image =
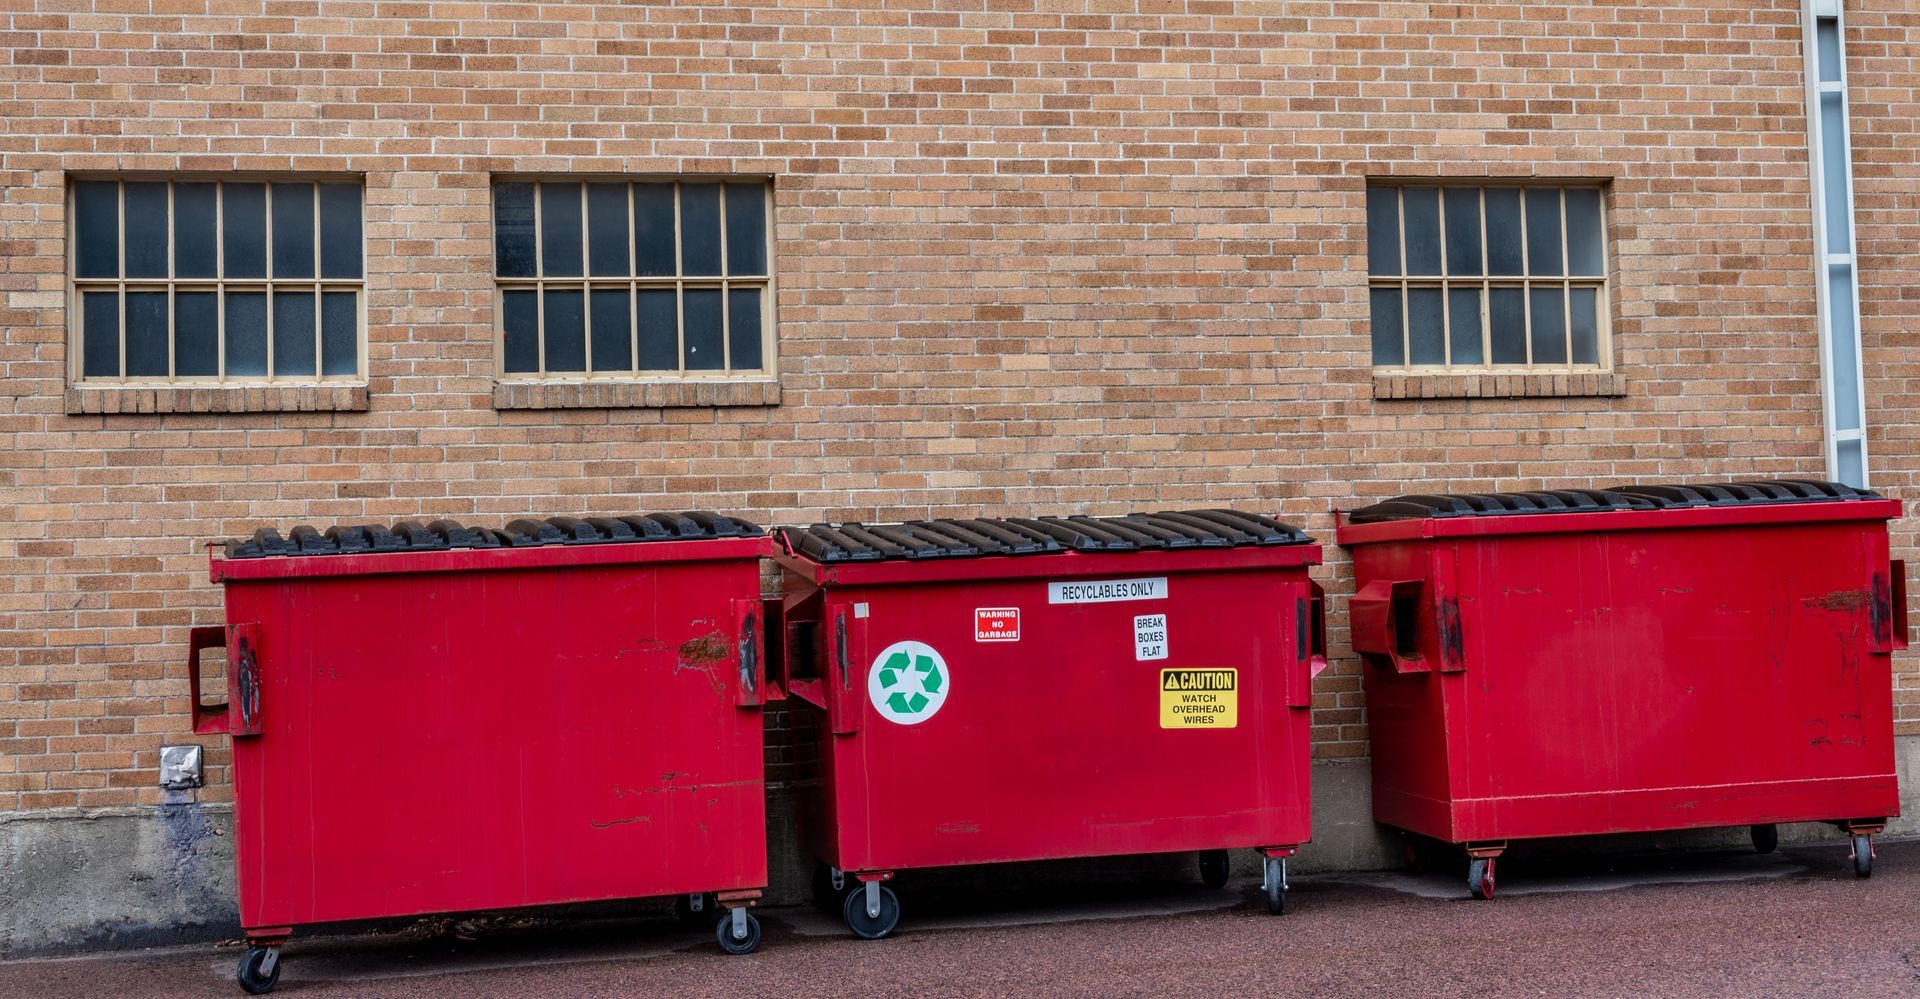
column 700, row 653
column 1839, row 600
column 619, row 822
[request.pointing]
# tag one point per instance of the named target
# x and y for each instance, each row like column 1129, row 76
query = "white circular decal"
column 908, row 683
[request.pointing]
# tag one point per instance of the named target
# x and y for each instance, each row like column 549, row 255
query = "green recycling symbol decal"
column 908, row 683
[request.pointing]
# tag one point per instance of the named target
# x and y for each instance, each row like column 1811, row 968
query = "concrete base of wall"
column 143, row 877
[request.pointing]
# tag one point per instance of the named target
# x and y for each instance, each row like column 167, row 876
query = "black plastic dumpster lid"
column 442, row 535
column 1657, row 496
column 929, row 539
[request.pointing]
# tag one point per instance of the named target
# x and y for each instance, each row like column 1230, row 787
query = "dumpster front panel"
column 447, row 741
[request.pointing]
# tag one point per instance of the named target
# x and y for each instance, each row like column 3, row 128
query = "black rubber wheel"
column 1480, row 877
column 1276, row 898
column 1214, row 866
column 249, row 976
column 689, row 919
column 723, row 934
column 1766, row 838
column 1863, row 856
column 871, row 927
column 825, row 897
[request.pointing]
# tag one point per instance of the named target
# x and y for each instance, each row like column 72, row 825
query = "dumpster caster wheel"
column 696, row 919
column 259, row 970
column 1276, row 886
column 723, row 931
column 1214, row 865
column 868, row 926
column 1766, row 838
column 1862, row 856
column 1480, row 877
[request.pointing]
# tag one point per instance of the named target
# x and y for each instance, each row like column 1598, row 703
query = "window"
column 625, row 279
column 1488, row 278
column 216, row 281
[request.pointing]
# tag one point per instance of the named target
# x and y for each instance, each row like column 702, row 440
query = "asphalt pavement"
column 1795, row 923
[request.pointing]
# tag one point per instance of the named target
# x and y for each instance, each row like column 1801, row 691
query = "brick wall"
column 1043, row 256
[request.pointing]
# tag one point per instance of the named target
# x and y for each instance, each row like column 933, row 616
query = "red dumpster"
column 447, row 718
column 1025, row 689
column 1625, row 660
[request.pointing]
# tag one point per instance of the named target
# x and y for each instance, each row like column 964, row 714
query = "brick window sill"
column 634, row 394
column 87, row 399
column 1484, row 386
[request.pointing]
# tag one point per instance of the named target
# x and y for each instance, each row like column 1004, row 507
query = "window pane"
column 1543, row 231
column 1852, row 464
column 1463, row 329
column 1585, row 254
column 1503, row 230
column 1833, row 169
column 743, row 329
column 613, row 324
column 1387, row 347
column 1585, row 325
column 1845, row 343
column 1383, row 231
column 566, row 328
column 519, row 318
column 1426, row 332
column 339, row 333
column 1463, row 230
column 100, row 334
column 340, row 231
column 699, row 229
column 243, row 225
column 653, row 230
column 292, row 240
column 607, row 231
column 1549, row 326
column 1421, row 208
column 246, row 332
column 700, row 309
column 1827, row 30
column 195, row 243
column 746, row 229
column 96, row 230
column 1507, row 322
column 196, row 330
column 513, row 230
column 659, row 330
column 146, row 232
column 146, row 333
column 292, row 331
column 560, row 230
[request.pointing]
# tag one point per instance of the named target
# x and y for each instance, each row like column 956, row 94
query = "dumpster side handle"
column 207, row 719
column 1384, row 616
column 1317, row 630
column 1887, row 610
column 1897, row 574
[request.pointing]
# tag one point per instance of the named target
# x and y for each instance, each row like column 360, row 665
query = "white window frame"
column 1845, row 428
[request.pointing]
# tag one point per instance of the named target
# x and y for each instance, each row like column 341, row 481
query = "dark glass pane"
column 146, row 233
column 699, row 229
column 700, row 311
column 1585, row 235
column 743, row 329
column 659, row 330
column 340, row 231
column 613, row 327
column 246, row 332
column 566, row 329
column 339, row 333
column 519, row 321
column 1388, row 348
column 96, row 231
column 1543, row 231
column 1507, row 322
column 1420, row 207
column 293, row 333
column 607, row 231
column 1383, row 232
column 560, row 230
column 146, row 333
column 1426, row 327
column 292, row 245
column 653, row 230
column 513, row 230
column 1585, row 323
column 1504, row 247
column 1463, row 230
column 746, row 229
column 196, row 330
column 1827, row 32
column 1463, row 326
column 1549, row 326
column 100, row 334
column 243, row 224
column 196, row 245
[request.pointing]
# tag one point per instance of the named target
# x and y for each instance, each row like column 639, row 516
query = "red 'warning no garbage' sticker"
column 996, row 624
